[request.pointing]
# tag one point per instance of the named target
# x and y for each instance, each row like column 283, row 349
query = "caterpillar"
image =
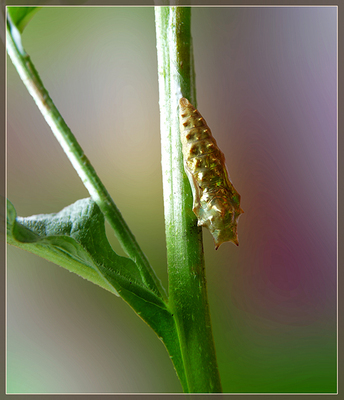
column 216, row 203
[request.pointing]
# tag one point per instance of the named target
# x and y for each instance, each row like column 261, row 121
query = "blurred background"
column 267, row 86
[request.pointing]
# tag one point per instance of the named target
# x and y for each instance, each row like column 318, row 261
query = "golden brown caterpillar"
column 216, row 203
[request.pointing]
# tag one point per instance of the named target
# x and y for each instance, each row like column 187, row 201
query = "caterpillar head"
column 221, row 219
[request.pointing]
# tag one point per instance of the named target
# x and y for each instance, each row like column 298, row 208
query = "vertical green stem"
column 187, row 282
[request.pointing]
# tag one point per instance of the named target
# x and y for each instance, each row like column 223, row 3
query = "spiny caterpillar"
column 216, row 203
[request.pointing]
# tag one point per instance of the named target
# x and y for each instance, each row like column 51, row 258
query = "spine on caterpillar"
column 216, row 203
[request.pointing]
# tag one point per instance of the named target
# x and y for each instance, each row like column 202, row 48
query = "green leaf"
column 20, row 16
column 75, row 238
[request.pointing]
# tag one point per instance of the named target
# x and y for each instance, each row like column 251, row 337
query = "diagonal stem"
column 77, row 157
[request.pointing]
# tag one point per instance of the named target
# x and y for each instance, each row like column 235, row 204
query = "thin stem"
column 187, row 283
column 77, row 157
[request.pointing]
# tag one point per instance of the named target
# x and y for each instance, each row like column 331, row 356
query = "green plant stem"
column 77, row 157
column 187, row 282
